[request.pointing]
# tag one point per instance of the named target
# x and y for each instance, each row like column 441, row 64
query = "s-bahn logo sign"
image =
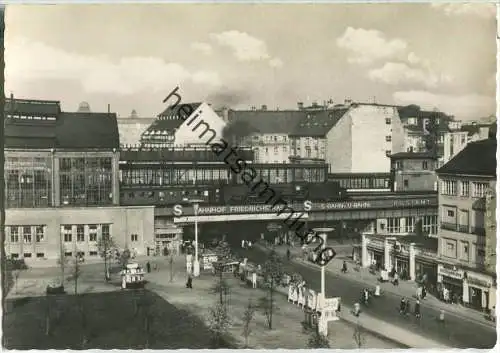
column 306, row 206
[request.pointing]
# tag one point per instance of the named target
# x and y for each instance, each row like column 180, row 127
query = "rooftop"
column 318, row 123
column 413, row 155
column 169, row 120
column 268, row 121
column 477, row 158
column 32, row 107
column 68, row 130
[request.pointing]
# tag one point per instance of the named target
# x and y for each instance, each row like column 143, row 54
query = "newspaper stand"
column 133, row 276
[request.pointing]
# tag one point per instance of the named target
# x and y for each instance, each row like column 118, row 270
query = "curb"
column 377, row 334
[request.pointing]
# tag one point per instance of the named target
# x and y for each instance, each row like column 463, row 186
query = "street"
column 456, row 332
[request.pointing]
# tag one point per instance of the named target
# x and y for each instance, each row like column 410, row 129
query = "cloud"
column 368, row 45
column 486, row 10
column 244, row 46
column 98, row 74
column 203, row 48
column 472, row 106
column 276, row 63
column 400, row 73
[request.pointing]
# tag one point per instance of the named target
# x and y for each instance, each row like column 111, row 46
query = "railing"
column 449, row 226
column 463, row 228
column 478, row 231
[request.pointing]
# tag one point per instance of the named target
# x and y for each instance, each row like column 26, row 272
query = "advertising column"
column 364, row 251
column 412, row 262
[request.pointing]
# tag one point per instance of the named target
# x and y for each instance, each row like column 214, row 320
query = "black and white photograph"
column 248, row 175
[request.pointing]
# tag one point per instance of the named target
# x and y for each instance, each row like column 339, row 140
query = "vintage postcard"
column 249, row 175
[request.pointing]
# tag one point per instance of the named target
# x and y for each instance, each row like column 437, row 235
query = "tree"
column 171, row 263
column 62, row 261
column 16, row 273
column 76, row 272
column 248, row 316
column 125, row 257
column 359, row 335
column 105, row 246
column 318, row 340
column 218, row 324
column 273, row 275
column 431, row 134
column 223, row 252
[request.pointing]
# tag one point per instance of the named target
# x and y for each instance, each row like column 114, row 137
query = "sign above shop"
column 473, row 279
column 450, row 272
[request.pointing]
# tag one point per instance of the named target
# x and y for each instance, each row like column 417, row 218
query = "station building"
column 62, row 184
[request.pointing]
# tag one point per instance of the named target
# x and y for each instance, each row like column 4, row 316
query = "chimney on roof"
column 133, row 114
column 109, row 108
column 300, row 105
column 264, row 107
column 11, row 96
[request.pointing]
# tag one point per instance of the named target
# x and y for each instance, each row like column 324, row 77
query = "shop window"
column 27, row 234
column 14, row 234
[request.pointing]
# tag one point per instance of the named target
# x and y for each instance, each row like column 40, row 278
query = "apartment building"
column 456, row 140
column 464, row 184
column 351, row 138
column 269, row 132
column 414, row 171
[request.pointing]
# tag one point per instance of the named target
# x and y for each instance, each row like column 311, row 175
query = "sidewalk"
column 405, row 288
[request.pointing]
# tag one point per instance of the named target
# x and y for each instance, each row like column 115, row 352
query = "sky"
column 439, row 56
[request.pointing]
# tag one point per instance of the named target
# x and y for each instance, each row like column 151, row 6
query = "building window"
column 388, row 138
column 393, row 225
column 430, row 224
column 27, row 254
column 86, row 181
column 388, row 153
column 105, row 230
column 451, row 213
column 134, row 237
column 39, row 234
column 425, row 165
column 409, row 224
column 68, row 234
column 14, row 255
column 14, row 234
column 68, row 254
column 388, row 121
column 464, row 188
column 479, row 189
column 465, row 251
column 40, row 255
column 406, row 183
column 27, row 234
column 448, row 187
column 93, row 253
column 450, row 249
column 399, row 165
column 80, row 233
column 92, row 232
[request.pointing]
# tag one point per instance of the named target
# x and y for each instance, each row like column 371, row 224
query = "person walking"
column 377, row 290
column 417, row 309
column 344, row 267
column 357, row 309
column 402, row 306
column 288, row 254
column 424, row 292
column 148, row 267
column 441, row 316
column 254, row 280
column 419, row 292
column 189, row 283
column 396, row 279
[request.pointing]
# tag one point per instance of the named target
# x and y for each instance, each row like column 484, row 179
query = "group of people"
column 405, row 307
column 246, row 244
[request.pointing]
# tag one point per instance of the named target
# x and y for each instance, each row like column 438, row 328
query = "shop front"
column 477, row 290
column 450, row 283
column 168, row 238
column 402, row 265
column 376, row 257
column 426, row 272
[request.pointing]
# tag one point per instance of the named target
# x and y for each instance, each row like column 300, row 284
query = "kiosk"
column 132, row 276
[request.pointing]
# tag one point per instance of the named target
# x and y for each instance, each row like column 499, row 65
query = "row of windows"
column 27, row 234
column 83, row 232
column 396, row 225
column 40, row 255
column 400, row 165
column 463, row 188
column 462, row 250
column 357, row 183
column 172, row 176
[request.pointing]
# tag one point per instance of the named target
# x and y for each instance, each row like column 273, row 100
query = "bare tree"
column 171, row 264
column 273, row 275
column 62, row 261
column 223, row 252
column 218, row 324
column 248, row 316
column 106, row 246
column 359, row 335
column 125, row 257
column 318, row 340
column 16, row 273
column 76, row 272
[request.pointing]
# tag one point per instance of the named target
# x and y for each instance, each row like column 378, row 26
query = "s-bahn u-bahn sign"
column 182, row 211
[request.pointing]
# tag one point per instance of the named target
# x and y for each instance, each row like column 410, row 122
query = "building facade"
column 456, row 140
column 61, row 183
column 414, row 171
column 463, row 189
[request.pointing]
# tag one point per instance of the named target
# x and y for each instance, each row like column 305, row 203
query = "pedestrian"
column 148, row 267
column 243, row 244
column 344, row 267
column 155, row 266
column 441, row 316
column 417, row 309
column 402, row 306
column 407, row 307
column 254, row 280
column 249, row 244
column 419, row 292
column 377, row 290
column 357, row 309
column 288, row 254
column 424, row 292
column 189, row 283
column 396, row 279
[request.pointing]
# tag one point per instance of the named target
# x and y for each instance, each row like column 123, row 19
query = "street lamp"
column 323, row 233
column 196, row 262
